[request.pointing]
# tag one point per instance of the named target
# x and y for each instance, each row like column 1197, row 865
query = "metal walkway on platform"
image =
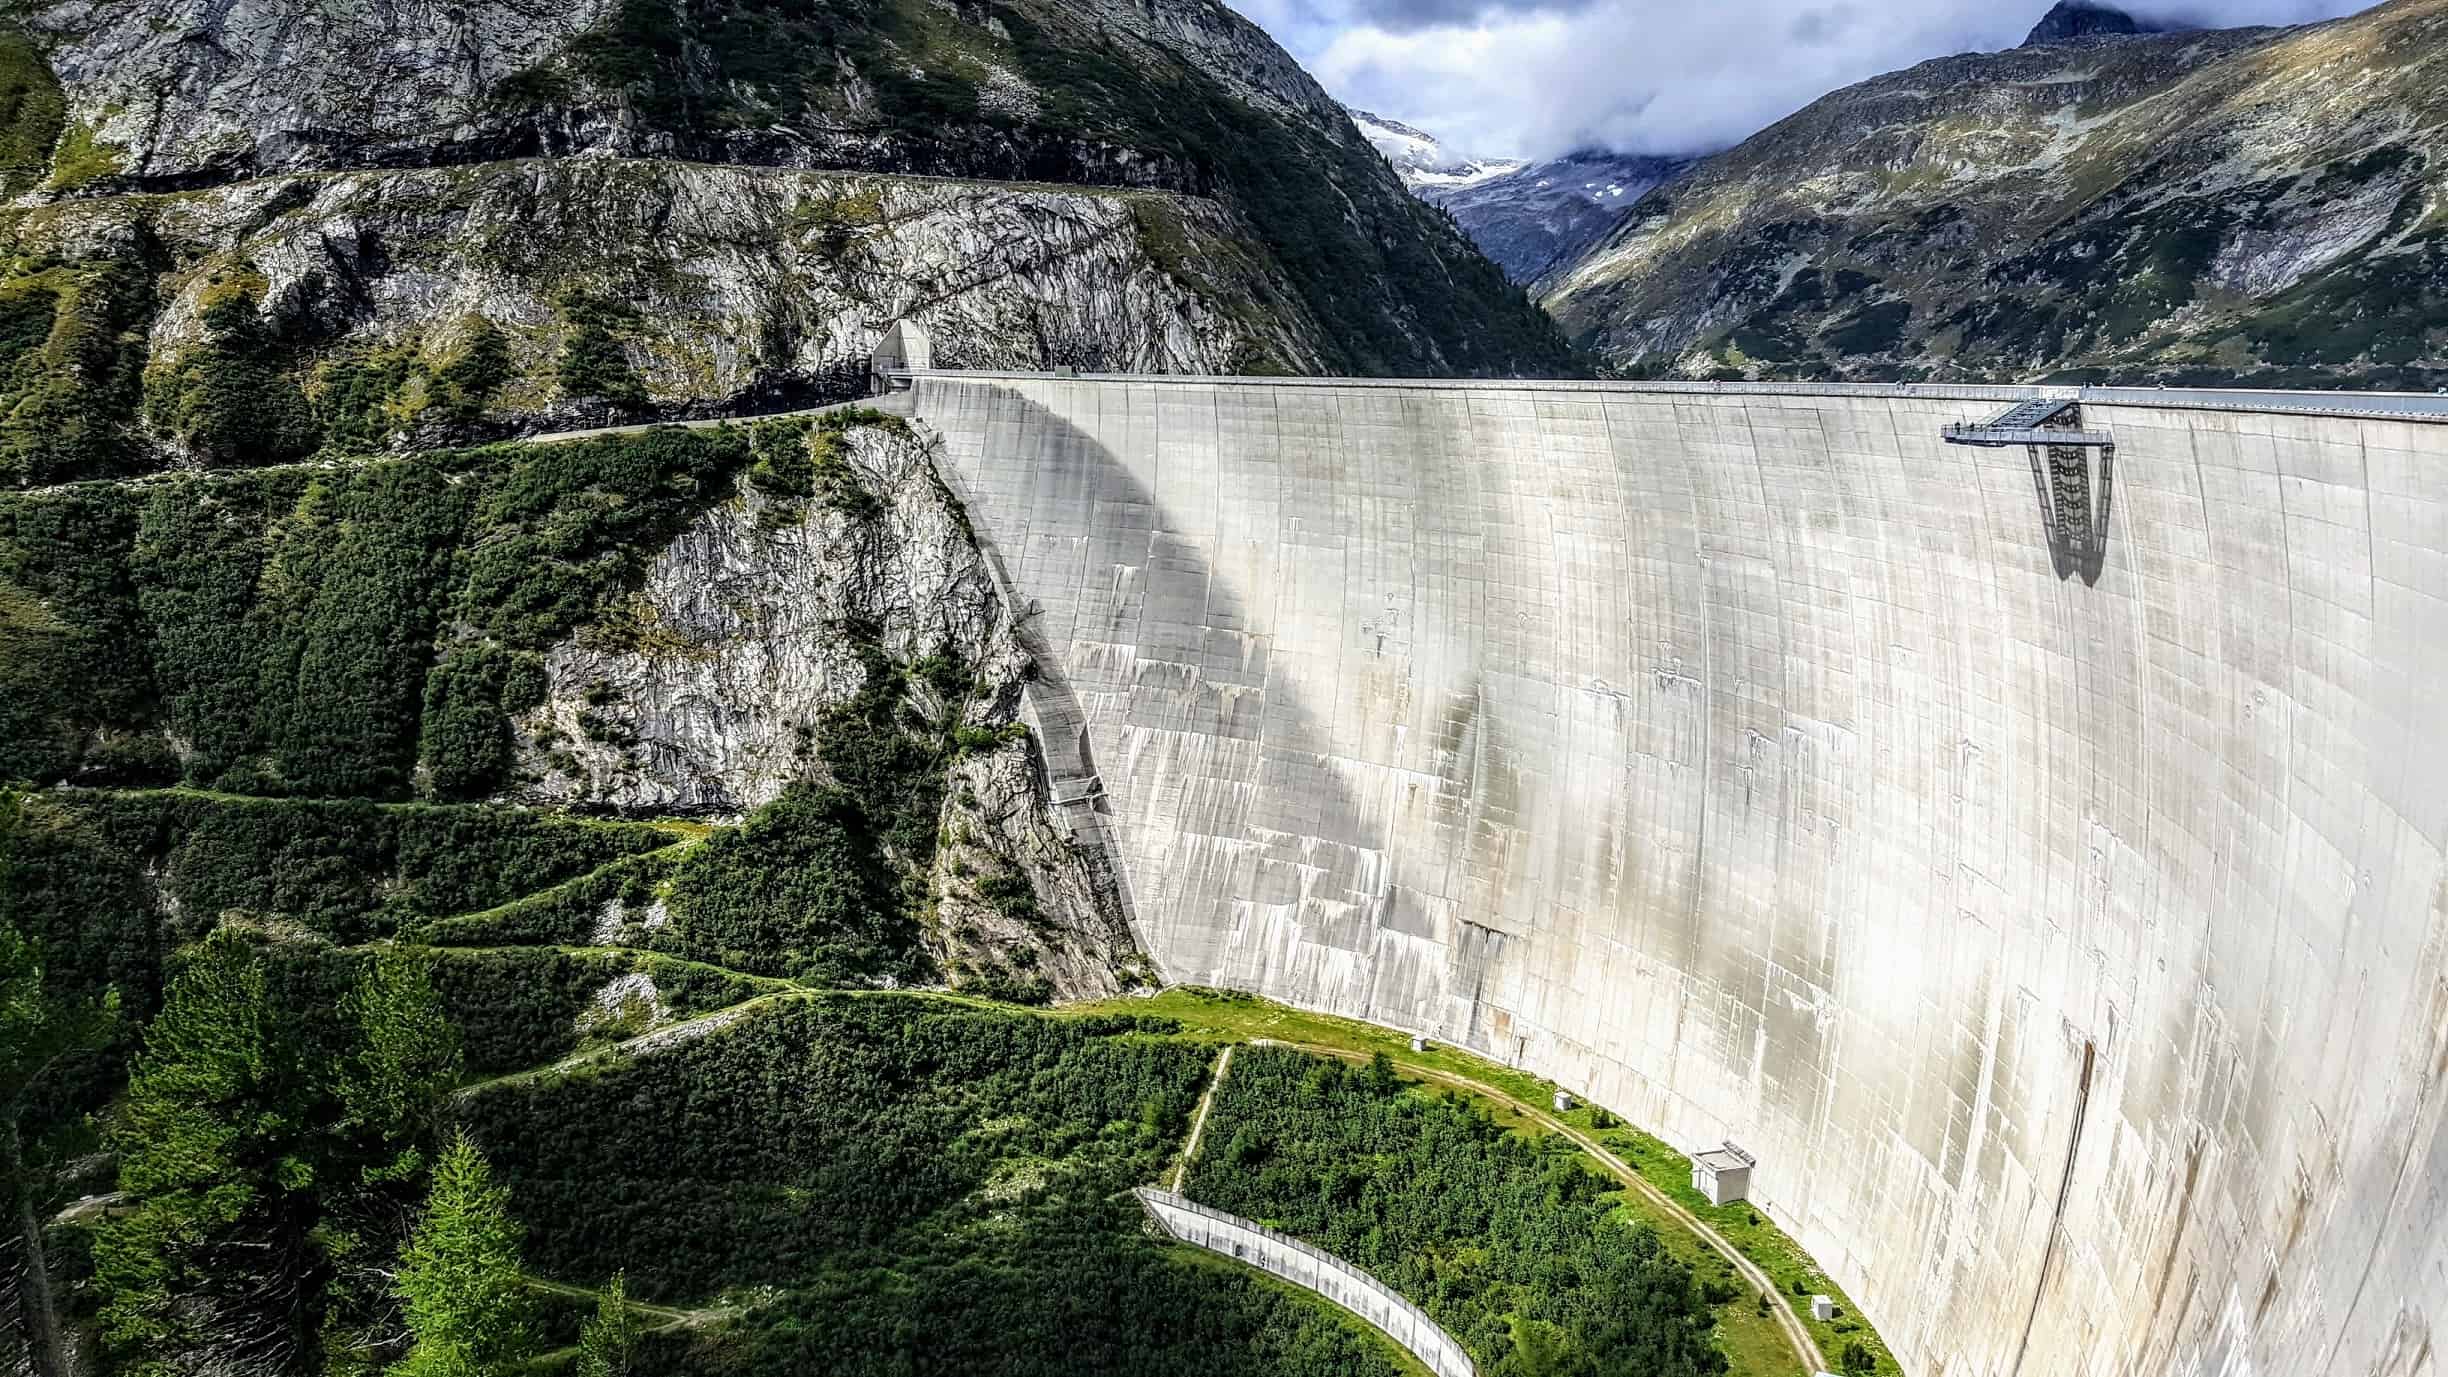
column 2027, row 423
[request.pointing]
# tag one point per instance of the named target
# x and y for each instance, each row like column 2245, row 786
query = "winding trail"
column 669, row 1035
column 1804, row 1346
column 1198, row 1124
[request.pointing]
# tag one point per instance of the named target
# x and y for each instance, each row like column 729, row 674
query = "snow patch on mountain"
column 1421, row 159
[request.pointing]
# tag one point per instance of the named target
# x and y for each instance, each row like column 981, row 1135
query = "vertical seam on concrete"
column 2371, row 571
column 1700, row 767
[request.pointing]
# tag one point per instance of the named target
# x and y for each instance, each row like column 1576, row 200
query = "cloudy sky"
column 1540, row 77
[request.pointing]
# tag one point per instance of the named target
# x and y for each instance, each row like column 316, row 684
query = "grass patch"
column 1751, row 1341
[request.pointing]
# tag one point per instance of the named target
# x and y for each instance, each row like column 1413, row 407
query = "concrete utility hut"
column 1722, row 1174
column 2068, row 936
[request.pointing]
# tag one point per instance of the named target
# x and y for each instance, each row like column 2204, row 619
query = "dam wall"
column 2069, row 950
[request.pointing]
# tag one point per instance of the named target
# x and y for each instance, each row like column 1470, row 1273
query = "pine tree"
column 459, row 1275
column 198, row 1137
column 407, row 1056
column 605, row 1344
column 38, row 1030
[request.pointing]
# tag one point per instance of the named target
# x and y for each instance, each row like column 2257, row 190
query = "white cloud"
column 1541, row 77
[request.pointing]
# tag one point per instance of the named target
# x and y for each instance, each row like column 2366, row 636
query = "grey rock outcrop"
column 188, row 92
column 733, row 646
column 2071, row 19
column 181, row 92
column 738, row 285
column 705, row 696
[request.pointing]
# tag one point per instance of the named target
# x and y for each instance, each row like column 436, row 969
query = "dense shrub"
column 1506, row 1240
column 109, row 883
column 828, row 1133
column 72, row 358
column 233, row 400
column 283, row 626
column 1074, row 1292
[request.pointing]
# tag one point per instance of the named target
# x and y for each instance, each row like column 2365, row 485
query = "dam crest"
column 2071, row 952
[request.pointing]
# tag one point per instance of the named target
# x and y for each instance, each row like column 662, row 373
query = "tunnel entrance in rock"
column 904, row 346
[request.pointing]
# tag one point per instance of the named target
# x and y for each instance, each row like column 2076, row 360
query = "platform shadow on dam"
column 2077, row 506
column 1274, row 868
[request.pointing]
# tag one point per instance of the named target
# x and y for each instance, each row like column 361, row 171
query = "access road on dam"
column 2068, row 940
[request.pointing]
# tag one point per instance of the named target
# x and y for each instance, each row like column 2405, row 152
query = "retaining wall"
column 1313, row 1269
column 2071, row 954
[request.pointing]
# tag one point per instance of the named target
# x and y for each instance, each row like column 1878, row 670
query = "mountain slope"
column 1421, row 159
column 1541, row 215
column 2071, row 19
column 2256, row 204
column 1526, row 216
column 346, row 201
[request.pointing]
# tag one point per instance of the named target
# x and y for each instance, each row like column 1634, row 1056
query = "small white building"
column 1723, row 1174
column 1563, row 1101
column 1823, row 1307
column 1419, row 1044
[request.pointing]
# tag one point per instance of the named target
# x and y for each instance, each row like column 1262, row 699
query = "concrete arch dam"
column 2071, row 952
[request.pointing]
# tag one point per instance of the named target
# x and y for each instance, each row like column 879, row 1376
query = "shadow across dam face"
column 2067, row 942
column 1171, row 728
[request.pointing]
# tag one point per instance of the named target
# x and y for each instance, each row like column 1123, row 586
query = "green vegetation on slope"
column 305, row 630
column 111, row 884
column 32, row 112
column 259, row 1185
column 72, row 361
column 925, row 1188
column 1518, row 1100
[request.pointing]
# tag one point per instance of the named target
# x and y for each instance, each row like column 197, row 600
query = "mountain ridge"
column 2231, row 205
column 166, row 146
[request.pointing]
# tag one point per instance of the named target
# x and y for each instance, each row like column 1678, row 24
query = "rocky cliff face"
column 706, row 691
column 628, row 179
column 2072, row 19
column 716, row 288
column 2264, row 205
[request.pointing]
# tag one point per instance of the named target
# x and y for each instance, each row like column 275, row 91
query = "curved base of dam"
column 2060, row 928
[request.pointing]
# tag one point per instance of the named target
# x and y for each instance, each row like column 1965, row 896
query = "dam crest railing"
column 2400, row 406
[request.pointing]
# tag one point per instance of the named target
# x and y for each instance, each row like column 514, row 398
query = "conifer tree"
column 604, row 1346
column 407, row 1055
column 459, row 1275
column 198, row 1137
column 38, row 1030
